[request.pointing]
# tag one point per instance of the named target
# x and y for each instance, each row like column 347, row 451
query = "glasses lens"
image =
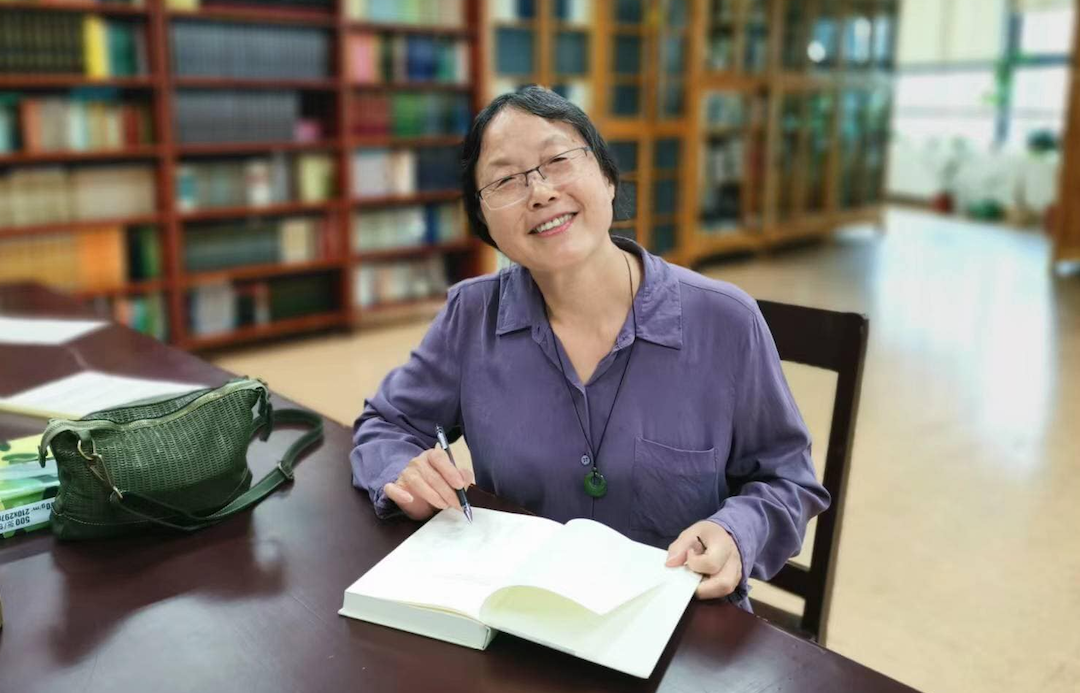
column 563, row 169
column 509, row 192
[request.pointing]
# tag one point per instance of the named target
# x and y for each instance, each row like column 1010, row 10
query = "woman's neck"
column 594, row 295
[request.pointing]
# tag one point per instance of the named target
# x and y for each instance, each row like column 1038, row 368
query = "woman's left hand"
column 719, row 561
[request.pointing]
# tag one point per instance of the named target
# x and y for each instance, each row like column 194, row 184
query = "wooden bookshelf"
column 391, row 141
column 383, row 254
column 332, row 98
column 412, row 86
column 101, row 8
column 128, row 289
column 402, row 200
column 80, row 225
column 287, row 208
column 225, row 149
column 261, row 15
column 272, row 330
column 259, row 272
column 148, row 151
column 464, row 32
column 651, row 68
column 1065, row 219
column 233, row 83
column 68, row 81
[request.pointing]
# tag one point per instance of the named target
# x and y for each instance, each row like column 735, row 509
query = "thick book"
column 580, row 588
column 27, row 489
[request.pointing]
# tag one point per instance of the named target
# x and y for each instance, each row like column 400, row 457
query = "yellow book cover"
column 92, row 255
column 96, row 47
column 184, row 5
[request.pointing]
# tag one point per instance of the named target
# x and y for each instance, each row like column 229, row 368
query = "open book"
column 581, row 588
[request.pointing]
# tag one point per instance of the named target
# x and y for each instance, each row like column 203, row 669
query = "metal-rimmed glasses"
column 557, row 171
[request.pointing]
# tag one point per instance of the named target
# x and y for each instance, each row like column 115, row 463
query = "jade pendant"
column 595, row 484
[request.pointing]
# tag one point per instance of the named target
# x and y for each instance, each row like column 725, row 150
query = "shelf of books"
column 736, row 124
column 793, row 108
column 216, row 172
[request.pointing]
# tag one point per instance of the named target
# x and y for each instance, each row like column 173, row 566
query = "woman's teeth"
column 556, row 222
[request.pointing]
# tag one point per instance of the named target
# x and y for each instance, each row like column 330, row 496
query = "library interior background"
column 273, row 185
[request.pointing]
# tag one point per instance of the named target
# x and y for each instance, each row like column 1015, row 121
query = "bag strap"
column 142, row 506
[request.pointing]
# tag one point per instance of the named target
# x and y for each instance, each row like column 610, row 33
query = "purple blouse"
column 705, row 426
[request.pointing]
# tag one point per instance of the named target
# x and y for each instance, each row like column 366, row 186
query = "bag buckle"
column 287, row 473
column 96, row 461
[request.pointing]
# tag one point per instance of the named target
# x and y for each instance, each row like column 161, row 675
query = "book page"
column 450, row 564
column 82, row 393
column 594, row 566
column 629, row 638
column 41, row 331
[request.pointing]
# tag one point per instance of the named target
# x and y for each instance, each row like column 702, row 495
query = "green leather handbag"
column 178, row 462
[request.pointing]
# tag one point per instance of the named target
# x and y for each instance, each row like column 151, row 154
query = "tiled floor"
column 960, row 561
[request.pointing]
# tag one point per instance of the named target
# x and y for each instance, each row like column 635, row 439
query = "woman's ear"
column 610, row 189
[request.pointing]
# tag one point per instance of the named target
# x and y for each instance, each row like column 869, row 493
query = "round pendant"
column 595, row 484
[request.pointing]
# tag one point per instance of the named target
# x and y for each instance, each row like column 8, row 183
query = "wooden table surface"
column 251, row 604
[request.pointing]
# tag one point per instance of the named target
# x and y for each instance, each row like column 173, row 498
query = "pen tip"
column 468, row 514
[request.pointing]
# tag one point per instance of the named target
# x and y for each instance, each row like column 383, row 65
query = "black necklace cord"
column 593, row 452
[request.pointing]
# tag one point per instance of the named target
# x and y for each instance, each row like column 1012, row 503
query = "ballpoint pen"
column 440, row 435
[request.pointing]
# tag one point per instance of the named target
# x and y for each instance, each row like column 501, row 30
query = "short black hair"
column 539, row 102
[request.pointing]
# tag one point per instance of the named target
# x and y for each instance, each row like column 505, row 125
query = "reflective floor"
column 960, row 558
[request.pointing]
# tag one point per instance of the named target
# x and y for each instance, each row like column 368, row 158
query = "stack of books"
column 406, row 227
column 210, row 117
column 27, row 489
column 55, row 43
column 223, row 307
column 87, row 120
column 87, row 260
column 411, row 114
column 377, row 58
column 243, row 51
column 443, row 13
column 378, row 283
column 52, row 194
column 254, row 181
column 384, row 172
column 146, row 313
column 517, row 10
column 293, row 240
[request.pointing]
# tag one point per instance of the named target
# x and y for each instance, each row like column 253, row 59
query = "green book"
column 27, row 489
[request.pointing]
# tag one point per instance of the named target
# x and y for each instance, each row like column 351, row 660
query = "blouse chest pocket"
column 673, row 488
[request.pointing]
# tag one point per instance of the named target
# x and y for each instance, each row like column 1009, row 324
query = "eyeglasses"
column 556, row 172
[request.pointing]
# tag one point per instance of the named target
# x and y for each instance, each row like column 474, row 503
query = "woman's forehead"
column 514, row 137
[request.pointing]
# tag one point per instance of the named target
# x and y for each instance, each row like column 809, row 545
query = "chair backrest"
column 837, row 342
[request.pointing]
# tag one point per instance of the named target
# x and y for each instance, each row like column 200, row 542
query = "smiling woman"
column 584, row 335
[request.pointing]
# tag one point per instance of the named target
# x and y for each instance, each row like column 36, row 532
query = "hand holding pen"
column 429, row 483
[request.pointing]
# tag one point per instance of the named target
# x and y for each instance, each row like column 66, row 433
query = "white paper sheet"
column 594, row 566
column 77, row 395
column 452, row 564
column 42, row 331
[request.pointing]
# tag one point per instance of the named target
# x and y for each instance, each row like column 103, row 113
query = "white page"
column 453, row 565
column 594, row 566
column 44, row 331
column 77, row 395
column 630, row 638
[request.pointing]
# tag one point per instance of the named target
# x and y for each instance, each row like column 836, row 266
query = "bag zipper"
column 57, row 426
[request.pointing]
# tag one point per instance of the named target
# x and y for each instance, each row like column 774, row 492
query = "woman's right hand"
column 428, row 484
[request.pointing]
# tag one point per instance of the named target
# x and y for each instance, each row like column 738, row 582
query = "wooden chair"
column 836, row 342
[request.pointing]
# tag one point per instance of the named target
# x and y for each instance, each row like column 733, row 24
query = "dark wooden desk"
column 251, row 605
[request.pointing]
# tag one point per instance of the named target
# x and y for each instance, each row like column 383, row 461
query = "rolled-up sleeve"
column 398, row 423
column 770, row 472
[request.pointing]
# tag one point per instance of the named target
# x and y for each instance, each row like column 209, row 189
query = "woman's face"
column 515, row 141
